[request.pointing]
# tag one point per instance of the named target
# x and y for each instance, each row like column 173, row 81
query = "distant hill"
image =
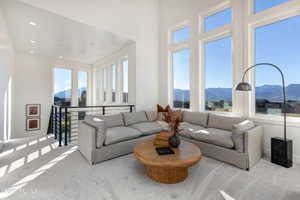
column 269, row 92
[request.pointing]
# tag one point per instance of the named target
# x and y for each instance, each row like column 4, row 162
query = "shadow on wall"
column 32, row 157
column 7, row 112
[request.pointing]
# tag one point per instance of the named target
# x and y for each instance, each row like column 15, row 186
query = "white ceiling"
column 57, row 36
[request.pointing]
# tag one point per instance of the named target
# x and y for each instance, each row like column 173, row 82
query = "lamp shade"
column 243, row 86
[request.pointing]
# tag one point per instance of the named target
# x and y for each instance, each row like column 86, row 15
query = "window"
column 217, row 20
column 181, row 78
column 180, row 35
column 62, row 87
column 113, row 81
column 82, row 88
column 282, row 49
column 218, row 75
column 105, row 80
column 125, row 81
column 261, row 5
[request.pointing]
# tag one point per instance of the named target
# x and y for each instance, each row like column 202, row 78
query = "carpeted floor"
column 38, row 169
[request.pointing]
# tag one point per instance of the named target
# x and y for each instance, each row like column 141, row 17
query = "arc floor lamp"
column 281, row 148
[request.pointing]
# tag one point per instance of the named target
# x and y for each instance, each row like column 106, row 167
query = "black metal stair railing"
column 63, row 121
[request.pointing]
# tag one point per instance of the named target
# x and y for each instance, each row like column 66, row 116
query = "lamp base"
column 282, row 152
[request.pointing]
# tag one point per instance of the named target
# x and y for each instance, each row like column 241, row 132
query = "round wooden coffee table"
column 172, row 168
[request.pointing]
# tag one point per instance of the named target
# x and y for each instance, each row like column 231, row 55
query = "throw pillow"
column 238, row 134
column 161, row 110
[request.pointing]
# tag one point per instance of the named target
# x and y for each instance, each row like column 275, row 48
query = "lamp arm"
column 283, row 88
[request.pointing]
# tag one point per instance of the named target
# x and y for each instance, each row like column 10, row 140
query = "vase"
column 174, row 141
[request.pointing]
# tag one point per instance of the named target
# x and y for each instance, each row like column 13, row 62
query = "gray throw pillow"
column 133, row 118
column 238, row 134
column 198, row 118
column 151, row 115
column 223, row 122
column 111, row 121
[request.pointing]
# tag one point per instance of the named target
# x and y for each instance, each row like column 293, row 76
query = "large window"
column 105, row 83
column 218, row 75
column 217, row 20
column 180, row 34
column 261, row 5
column 125, row 81
column 113, row 81
column 62, row 87
column 278, row 43
column 181, row 78
column 82, row 88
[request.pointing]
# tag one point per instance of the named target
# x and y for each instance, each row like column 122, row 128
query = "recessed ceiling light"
column 33, row 23
column 60, row 57
column 31, row 52
column 32, row 41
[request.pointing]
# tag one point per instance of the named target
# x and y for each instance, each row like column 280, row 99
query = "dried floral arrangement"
column 173, row 118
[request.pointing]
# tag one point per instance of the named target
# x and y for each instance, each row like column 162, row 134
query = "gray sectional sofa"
column 233, row 140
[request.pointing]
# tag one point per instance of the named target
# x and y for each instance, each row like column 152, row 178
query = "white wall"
column 174, row 12
column 129, row 53
column 6, row 76
column 34, row 85
column 135, row 19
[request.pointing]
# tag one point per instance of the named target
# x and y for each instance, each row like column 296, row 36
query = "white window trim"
column 214, row 10
column 266, row 17
column 175, row 47
column 123, row 59
column 171, row 72
column 176, row 28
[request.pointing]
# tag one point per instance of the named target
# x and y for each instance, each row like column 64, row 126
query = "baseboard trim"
column 296, row 158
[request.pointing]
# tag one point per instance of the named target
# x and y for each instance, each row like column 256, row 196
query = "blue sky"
column 277, row 43
column 62, row 79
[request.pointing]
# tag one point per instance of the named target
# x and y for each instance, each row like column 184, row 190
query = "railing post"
column 131, row 108
column 66, row 126
column 103, row 110
column 55, row 122
column 60, row 126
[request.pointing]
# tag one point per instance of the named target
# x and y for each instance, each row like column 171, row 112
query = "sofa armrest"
column 254, row 144
column 87, row 141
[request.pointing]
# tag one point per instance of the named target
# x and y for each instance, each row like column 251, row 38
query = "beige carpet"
column 38, row 169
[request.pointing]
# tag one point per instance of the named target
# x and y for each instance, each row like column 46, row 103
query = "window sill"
column 276, row 120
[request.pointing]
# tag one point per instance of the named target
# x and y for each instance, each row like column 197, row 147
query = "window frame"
column 214, row 10
column 53, row 81
column 210, row 36
column 177, row 27
column 251, row 7
column 275, row 14
column 181, row 48
column 122, row 60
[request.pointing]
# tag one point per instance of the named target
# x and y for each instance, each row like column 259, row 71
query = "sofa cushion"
column 199, row 118
column 119, row 134
column 147, row 128
column 223, row 122
column 214, row 136
column 112, row 120
column 133, row 118
column 151, row 115
column 238, row 134
column 187, row 129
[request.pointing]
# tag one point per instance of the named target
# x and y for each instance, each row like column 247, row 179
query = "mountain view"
column 268, row 99
column 269, row 92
